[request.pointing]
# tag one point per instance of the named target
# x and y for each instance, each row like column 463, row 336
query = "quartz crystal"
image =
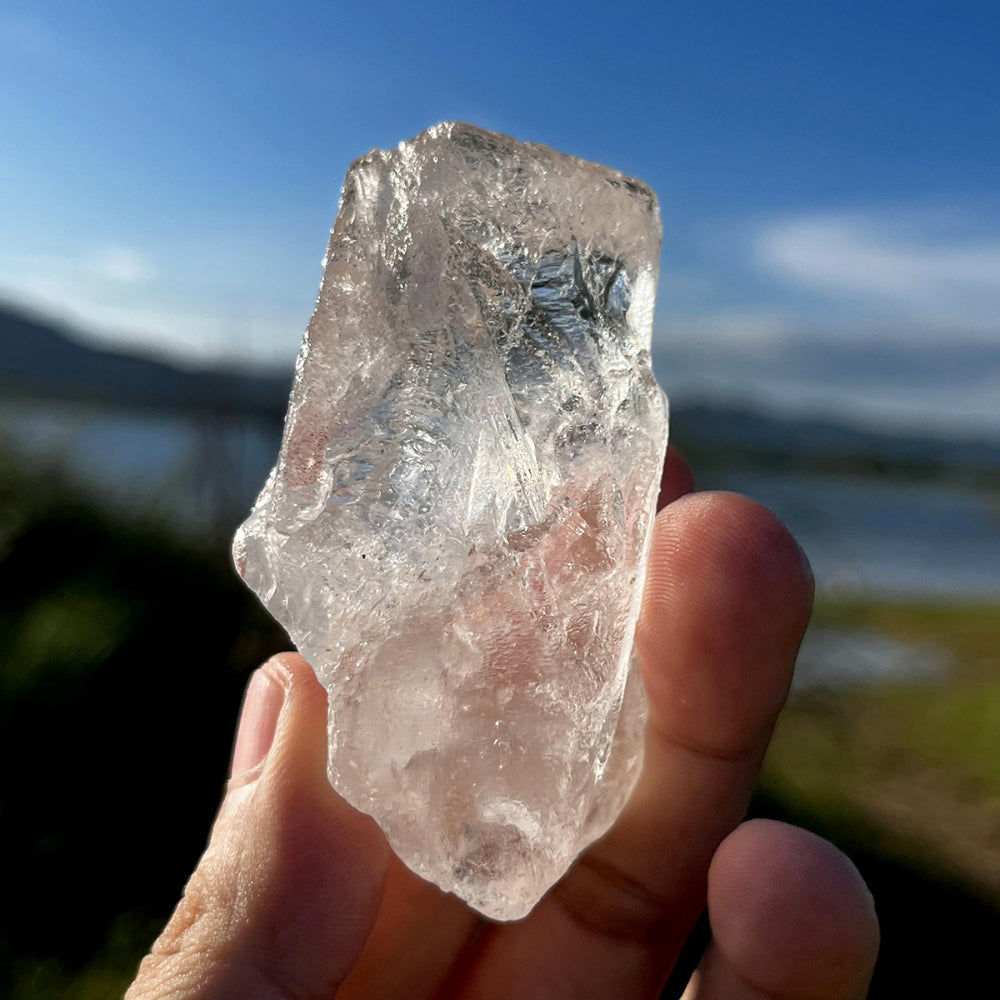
column 456, row 530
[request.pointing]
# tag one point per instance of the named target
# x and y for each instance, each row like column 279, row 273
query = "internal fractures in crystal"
column 456, row 530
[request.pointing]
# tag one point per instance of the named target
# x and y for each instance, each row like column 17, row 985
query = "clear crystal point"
column 455, row 533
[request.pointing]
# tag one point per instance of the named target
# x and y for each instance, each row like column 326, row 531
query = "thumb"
column 284, row 896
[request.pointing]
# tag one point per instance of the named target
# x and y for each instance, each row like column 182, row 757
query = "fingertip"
column 257, row 725
column 270, row 686
column 304, row 722
column 727, row 600
column 291, row 670
column 791, row 913
column 731, row 540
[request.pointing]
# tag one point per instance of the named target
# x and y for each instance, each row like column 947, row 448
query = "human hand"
column 298, row 897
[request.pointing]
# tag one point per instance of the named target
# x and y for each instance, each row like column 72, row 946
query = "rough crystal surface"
column 455, row 532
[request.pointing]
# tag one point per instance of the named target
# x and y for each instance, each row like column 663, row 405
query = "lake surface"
column 890, row 537
column 195, row 470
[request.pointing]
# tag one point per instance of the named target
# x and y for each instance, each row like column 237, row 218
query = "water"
column 833, row 657
column 887, row 537
column 195, row 470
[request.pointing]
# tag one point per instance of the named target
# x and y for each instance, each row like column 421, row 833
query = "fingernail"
column 258, row 722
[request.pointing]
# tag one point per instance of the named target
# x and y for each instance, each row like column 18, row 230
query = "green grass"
column 915, row 758
column 905, row 777
column 969, row 630
column 106, row 975
column 954, row 723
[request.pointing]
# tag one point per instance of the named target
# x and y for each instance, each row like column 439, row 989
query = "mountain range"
column 42, row 359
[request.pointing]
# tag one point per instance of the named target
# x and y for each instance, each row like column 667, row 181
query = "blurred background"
column 828, row 329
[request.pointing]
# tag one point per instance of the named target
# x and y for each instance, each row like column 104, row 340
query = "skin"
column 298, row 897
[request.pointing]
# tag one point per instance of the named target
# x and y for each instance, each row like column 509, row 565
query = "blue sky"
column 828, row 172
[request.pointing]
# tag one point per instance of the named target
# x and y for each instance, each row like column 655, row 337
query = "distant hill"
column 43, row 360
column 735, row 436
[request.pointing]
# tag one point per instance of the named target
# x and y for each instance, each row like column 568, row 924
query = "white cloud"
column 885, row 315
column 890, row 268
column 122, row 265
column 735, row 330
column 933, row 386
